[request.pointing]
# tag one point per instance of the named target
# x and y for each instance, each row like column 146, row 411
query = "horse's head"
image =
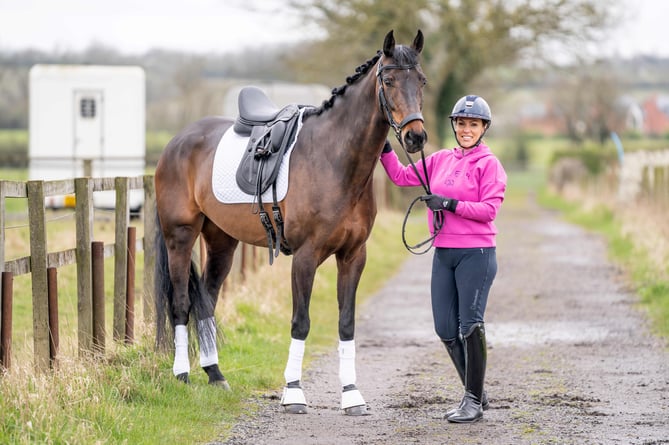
column 400, row 83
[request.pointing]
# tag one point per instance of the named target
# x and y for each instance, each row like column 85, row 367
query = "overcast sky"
column 134, row 26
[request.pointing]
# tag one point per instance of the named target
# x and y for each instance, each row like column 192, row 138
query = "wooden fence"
column 645, row 174
column 42, row 264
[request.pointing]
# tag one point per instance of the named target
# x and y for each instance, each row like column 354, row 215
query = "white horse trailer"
column 87, row 121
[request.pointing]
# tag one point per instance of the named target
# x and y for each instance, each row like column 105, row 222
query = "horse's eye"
column 388, row 81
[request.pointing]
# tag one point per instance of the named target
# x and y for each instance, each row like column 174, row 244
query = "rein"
column 437, row 216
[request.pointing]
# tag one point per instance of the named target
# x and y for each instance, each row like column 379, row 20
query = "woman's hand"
column 438, row 202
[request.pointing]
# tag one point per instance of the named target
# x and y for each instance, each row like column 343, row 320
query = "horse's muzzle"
column 414, row 138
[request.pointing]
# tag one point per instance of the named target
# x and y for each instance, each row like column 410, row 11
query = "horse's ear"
column 418, row 42
column 389, row 44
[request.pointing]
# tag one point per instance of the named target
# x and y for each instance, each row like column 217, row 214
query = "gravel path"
column 570, row 360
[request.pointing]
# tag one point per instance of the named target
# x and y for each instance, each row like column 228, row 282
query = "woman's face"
column 468, row 131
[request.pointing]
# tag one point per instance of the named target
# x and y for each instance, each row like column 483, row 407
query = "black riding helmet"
column 472, row 106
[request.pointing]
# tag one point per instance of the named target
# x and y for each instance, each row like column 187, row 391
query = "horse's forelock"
column 405, row 55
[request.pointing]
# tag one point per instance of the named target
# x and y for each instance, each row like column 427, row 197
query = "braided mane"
column 338, row 91
column 403, row 56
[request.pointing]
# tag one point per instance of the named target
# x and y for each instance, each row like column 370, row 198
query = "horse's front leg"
column 349, row 271
column 302, row 280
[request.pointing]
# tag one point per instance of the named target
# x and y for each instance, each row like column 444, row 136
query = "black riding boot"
column 471, row 407
column 456, row 350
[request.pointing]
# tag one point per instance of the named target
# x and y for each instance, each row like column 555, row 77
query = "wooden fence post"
column 98, row 295
column 659, row 184
column 130, row 288
column 150, row 228
column 7, row 294
column 38, row 257
column 665, row 197
column 3, row 194
column 121, row 185
column 84, row 221
column 54, row 338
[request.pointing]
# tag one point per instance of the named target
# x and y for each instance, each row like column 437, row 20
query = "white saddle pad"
column 226, row 161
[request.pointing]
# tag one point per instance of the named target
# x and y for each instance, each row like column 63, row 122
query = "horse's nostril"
column 415, row 140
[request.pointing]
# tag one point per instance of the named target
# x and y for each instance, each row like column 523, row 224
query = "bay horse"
column 329, row 209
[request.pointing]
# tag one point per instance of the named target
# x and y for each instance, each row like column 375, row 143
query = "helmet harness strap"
column 487, row 125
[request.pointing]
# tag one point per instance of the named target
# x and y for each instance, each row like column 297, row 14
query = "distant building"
column 656, row 116
column 544, row 118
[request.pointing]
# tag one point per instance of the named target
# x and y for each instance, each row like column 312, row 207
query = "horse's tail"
column 164, row 292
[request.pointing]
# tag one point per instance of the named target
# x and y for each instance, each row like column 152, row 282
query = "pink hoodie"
column 476, row 179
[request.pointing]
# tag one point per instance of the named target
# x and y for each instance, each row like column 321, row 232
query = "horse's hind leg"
column 220, row 252
column 179, row 240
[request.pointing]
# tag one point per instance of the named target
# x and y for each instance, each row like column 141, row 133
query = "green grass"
column 14, row 145
column 11, row 139
column 132, row 396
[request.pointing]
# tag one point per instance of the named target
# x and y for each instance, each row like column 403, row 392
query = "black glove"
column 387, row 148
column 438, row 202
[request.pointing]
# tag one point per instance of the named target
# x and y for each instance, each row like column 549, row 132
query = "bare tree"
column 188, row 80
column 587, row 98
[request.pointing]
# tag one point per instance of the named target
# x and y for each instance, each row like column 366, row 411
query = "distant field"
column 14, row 146
column 539, row 150
column 17, row 138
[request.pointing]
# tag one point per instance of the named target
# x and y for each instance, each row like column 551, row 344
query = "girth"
column 271, row 131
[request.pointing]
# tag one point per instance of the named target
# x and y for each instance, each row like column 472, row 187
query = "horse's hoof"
column 352, row 402
column 292, row 399
column 183, row 377
column 295, row 408
column 356, row 411
column 223, row 384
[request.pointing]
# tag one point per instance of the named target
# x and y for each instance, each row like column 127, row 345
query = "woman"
column 467, row 185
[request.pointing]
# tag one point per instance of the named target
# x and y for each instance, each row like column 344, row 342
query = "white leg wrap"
column 293, row 370
column 181, row 363
column 206, row 330
column 347, row 362
column 293, row 396
column 351, row 398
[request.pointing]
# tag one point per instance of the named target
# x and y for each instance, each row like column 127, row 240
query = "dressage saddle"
column 271, row 130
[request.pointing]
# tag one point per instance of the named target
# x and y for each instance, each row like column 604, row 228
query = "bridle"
column 438, row 217
column 383, row 102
